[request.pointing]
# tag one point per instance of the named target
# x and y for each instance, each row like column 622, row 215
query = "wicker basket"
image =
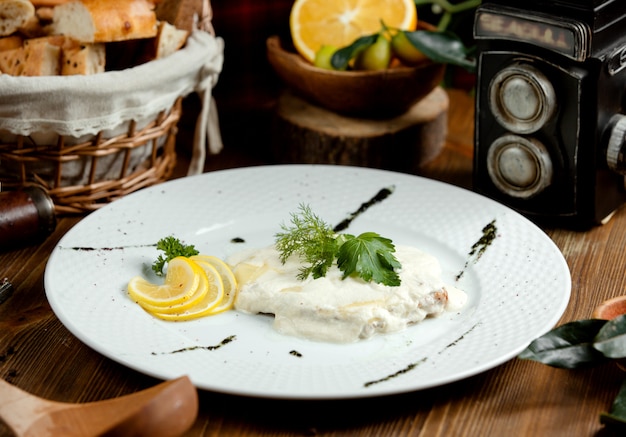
column 85, row 169
column 127, row 162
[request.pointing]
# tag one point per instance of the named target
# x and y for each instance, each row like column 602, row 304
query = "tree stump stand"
column 308, row 134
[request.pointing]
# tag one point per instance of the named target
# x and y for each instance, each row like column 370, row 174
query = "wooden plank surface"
column 518, row 398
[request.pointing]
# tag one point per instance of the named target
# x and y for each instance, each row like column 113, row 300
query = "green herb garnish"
column 172, row 247
column 368, row 256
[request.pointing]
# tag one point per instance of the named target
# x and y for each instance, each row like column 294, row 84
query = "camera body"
column 550, row 128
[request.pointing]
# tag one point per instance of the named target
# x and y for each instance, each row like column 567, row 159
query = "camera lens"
column 518, row 166
column 522, row 98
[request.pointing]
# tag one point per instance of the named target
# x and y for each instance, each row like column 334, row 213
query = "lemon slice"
column 204, row 306
column 201, row 293
column 228, row 279
column 314, row 23
column 182, row 280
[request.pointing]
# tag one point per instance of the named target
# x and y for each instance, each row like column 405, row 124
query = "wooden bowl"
column 378, row 94
column 610, row 309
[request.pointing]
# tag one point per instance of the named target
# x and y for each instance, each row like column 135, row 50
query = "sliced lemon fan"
column 205, row 306
column 314, row 23
column 193, row 287
column 228, row 279
column 182, row 280
column 202, row 293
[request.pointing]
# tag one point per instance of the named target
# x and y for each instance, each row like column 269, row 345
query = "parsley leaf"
column 368, row 256
column 172, row 247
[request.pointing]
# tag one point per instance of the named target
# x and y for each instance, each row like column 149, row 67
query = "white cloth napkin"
column 85, row 105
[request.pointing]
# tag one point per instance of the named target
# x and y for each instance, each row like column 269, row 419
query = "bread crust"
column 83, row 59
column 181, row 13
column 79, row 35
column 15, row 13
column 42, row 57
column 48, row 3
column 12, row 61
column 11, row 42
column 108, row 21
column 169, row 39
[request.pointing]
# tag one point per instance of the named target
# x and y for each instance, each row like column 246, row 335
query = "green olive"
column 405, row 51
column 374, row 57
column 324, row 56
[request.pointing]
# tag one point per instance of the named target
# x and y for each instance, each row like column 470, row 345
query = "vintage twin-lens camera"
column 550, row 138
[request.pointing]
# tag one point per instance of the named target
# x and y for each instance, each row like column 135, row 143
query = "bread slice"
column 13, row 15
column 47, row 3
column 33, row 28
column 183, row 14
column 11, row 42
column 169, row 39
column 83, row 59
column 42, row 57
column 12, row 61
column 98, row 21
column 45, row 14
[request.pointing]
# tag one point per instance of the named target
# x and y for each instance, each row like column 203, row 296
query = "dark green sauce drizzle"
column 490, row 233
column 379, row 197
column 417, row 363
column 206, row 348
column 237, row 240
column 455, row 342
column 398, row 373
column 295, row 354
column 91, row 249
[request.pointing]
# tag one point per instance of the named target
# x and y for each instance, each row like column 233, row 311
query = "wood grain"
column 309, row 134
column 518, row 398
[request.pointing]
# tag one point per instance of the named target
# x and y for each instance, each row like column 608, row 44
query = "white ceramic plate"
column 517, row 289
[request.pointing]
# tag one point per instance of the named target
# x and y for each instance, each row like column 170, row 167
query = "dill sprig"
column 312, row 239
column 368, row 256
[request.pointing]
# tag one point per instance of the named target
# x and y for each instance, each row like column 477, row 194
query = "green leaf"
column 569, row 346
column 172, row 247
column 369, row 256
column 443, row 47
column 341, row 58
column 611, row 340
column 616, row 417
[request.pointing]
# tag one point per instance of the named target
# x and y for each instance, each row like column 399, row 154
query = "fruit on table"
column 323, row 57
column 405, row 51
column 374, row 57
column 314, row 23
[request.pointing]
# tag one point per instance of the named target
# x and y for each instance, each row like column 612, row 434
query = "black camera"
column 550, row 132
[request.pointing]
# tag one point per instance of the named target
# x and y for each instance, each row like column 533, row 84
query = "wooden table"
column 518, row 398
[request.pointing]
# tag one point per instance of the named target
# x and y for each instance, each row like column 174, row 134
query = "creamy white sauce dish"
column 337, row 310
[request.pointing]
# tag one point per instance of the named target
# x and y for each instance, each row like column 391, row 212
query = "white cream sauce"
column 341, row 311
